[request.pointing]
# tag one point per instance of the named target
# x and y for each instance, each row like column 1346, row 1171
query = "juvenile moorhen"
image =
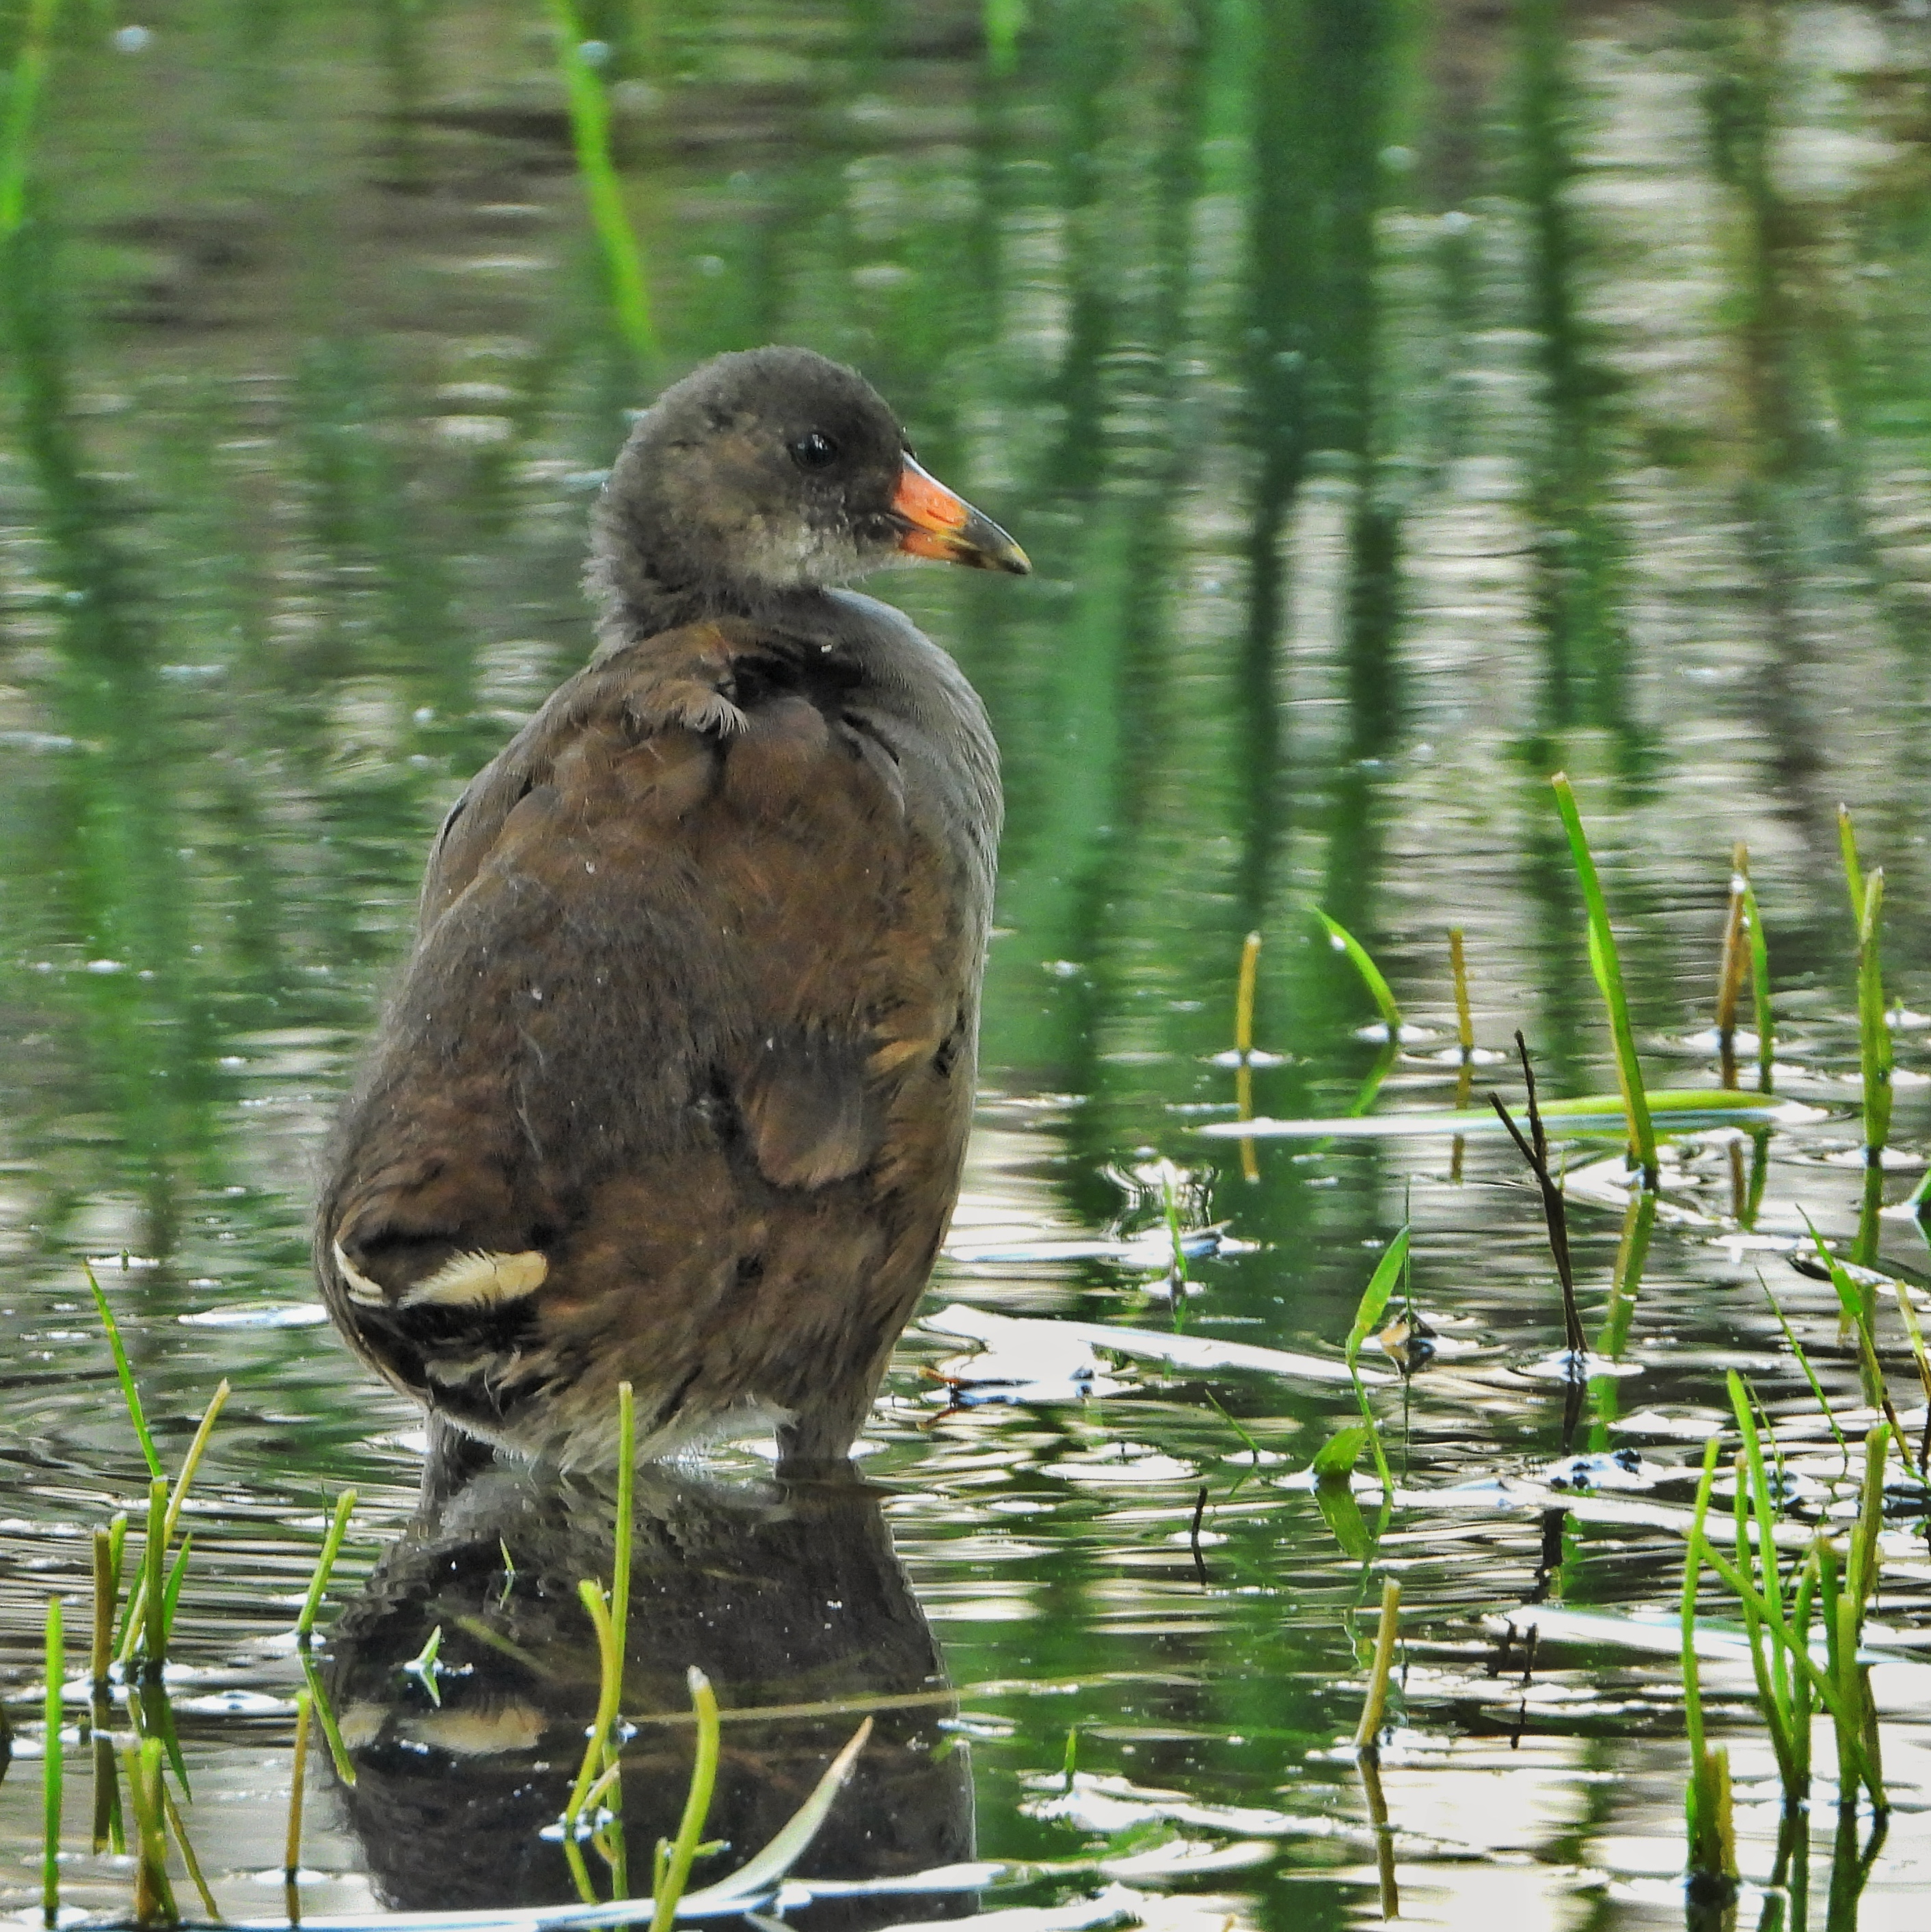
column 676, row 1083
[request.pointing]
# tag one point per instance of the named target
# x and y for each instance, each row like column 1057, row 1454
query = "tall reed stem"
column 1245, row 990
column 1735, row 964
column 1607, row 967
column 1376, row 1702
column 51, row 1766
column 153, row 1894
column 626, row 1523
column 297, row 1787
column 1874, row 1055
column 1766, row 1021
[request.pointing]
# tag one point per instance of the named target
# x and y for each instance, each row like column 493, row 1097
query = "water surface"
column 1400, row 404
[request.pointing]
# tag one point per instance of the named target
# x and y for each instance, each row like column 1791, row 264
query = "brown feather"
column 674, row 1021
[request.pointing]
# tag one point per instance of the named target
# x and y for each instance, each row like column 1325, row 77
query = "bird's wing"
column 688, row 912
column 676, row 681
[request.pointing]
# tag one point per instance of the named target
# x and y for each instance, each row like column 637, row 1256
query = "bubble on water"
column 130, row 40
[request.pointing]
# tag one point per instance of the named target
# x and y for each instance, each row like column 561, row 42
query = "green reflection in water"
column 1389, row 428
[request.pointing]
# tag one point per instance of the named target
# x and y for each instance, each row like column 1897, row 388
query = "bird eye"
column 814, row 451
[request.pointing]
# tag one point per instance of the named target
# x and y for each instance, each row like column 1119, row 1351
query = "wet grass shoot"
column 1607, row 965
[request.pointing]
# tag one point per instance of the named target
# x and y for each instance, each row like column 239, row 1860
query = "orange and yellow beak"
column 939, row 524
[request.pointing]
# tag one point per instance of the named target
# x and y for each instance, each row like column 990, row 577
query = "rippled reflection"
column 1400, row 402
column 788, row 1597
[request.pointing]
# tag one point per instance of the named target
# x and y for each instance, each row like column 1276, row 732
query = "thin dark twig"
column 1505, row 1647
column 1572, row 1401
column 1536, row 1133
column 1555, row 1211
column 1193, row 1535
column 1550, row 1559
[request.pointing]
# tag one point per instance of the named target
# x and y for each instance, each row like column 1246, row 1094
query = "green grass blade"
column 185, row 1845
column 1804, row 1363
column 791, row 1842
column 1873, row 1035
column 1384, row 1063
column 1768, row 1665
column 1694, row 1552
column 1368, row 1313
column 1760, row 990
column 157, row 1722
column 1759, row 1488
column 154, row 1895
column 191, row 1462
column 1803, row 1699
column 1861, row 1574
column 318, row 1584
column 324, row 1712
column 603, row 191
column 154, row 1580
column 1003, row 20
column 666, row 1897
column 150, row 1607
column 1342, row 940
column 597, row 1750
column 1830, row 1591
column 1819, row 1676
column 426, row 1668
column 1914, row 1333
column 1850, row 1296
column 1375, row 1297
column 1859, row 1304
column 1339, row 1454
column 23, row 95
column 1626, row 1282
column 171, row 1594
column 1607, row 967
column 52, row 1766
column 1334, row 1497
column 1854, row 870
column 1246, row 1441
column 1874, row 1047
column 130, row 1393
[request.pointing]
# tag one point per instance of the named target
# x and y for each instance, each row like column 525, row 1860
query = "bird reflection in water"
column 787, row 1594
